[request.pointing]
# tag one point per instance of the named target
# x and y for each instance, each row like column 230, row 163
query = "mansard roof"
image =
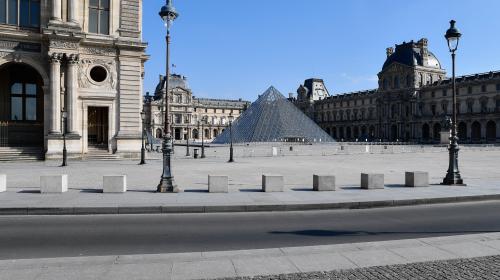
column 478, row 77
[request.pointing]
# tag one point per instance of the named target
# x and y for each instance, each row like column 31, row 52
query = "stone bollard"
column 54, row 184
column 273, row 183
column 114, row 184
column 218, row 184
column 323, row 183
column 372, row 181
column 3, row 183
column 416, row 179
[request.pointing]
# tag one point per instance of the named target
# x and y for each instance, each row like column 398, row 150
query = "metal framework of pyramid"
column 273, row 118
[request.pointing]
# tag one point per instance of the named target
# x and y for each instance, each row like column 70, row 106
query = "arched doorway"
column 364, row 135
column 196, row 134
column 462, row 132
column 372, row 132
column 334, row 133
column 425, row 132
column 21, row 106
column 177, row 134
column 348, row 133
column 475, row 132
column 437, row 131
column 356, row 132
column 341, row 133
column 216, row 133
column 394, row 132
column 491, row 131
column 207, row 133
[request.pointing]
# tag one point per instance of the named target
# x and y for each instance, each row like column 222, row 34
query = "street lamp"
column 453, row 174
column 187, row 142
column 231, row 159
column 143, row 150
column 64, row 116
column 167, row 184
column 203, row 136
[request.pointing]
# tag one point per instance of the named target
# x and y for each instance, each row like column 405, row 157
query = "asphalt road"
column 65, row 236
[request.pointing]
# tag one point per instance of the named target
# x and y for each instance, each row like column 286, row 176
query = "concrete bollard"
column 114, row 184
column 3, row 183
column 372, row 181
column 416, row 179
column 218, row 184
column 273, row 183
column 54, row 184
column 323, row 183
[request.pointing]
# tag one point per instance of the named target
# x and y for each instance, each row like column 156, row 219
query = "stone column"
column 72, row 93
column 55, row 93
column 73, row 12
column 56, row 10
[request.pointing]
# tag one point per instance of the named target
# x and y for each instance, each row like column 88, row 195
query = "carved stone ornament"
column 98, row 51
column 67, row 45
column 85, row 81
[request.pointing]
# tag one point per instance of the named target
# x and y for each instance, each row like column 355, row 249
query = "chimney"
column 390, row 51
column 424, row 51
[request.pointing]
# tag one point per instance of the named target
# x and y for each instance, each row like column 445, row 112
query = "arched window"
column 24, row 13
column 99, row 16
column 396, row 82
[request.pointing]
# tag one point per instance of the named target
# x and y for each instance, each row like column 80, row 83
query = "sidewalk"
column 211, row 265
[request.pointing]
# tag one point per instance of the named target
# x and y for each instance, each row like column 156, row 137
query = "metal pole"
column 187, row 143
column 167, row 183
column 65, row 152
column 202, row 140
column 453, row 174
column 143, row 150
column 231, row 159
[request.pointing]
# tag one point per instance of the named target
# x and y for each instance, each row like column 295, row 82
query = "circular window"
column 98, row 74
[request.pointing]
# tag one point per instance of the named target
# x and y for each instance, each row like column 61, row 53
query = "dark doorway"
column 21, row 106
column 425, row 132
column 476, row 132
column 98, row 127
column 491, row 131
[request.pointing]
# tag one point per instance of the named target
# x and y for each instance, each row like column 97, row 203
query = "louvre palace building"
column 411, row 103
column 78, row 59
column 191, row 117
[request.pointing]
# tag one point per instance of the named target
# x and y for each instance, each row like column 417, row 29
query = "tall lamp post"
column 231, row 159
column 203, row 136
column 64, row 115
column 167, row 183
column 143, row 150
column 453, row 175
column 188, row 154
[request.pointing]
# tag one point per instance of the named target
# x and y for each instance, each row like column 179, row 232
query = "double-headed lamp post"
column 231, row 159
column 143, row 149
column 64, row 116
column 453, row 175
column 167, row 184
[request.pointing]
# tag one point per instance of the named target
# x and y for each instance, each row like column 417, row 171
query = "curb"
column 34, row 211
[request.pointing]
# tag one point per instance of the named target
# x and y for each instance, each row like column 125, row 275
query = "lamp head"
column 168, row 14
column 453, row 36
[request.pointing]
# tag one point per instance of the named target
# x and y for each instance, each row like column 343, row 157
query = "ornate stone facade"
column 95, row 77
column 188, row 111
column 411, row 104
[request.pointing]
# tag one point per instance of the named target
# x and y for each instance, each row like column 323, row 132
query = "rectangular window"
column 445, row 92
column 35, row 13
column 31, row 109
column 3, row 11
column 99, row 16
column 12, row 12
column 25, row 15
column 483, row 88
column 16, row 109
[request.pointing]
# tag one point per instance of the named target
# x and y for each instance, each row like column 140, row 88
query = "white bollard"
column 416, row 179
column 273, row 183
column 372, row 181
column 54, row 184
column 3, row 183
column 323, row 183
column 218, row 184
column 114, row 184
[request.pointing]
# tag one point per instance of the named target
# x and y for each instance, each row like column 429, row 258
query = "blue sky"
column 237, row 49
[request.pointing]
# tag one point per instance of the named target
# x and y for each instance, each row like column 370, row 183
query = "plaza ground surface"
column 480, row 170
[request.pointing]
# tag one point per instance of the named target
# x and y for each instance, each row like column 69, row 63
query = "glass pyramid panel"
column 273, row 118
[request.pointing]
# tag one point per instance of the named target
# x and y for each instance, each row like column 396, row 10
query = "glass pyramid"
column 273, row 118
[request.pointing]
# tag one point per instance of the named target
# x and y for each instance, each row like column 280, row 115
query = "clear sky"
column 237, row 48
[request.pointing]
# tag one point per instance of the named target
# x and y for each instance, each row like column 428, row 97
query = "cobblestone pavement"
column 466, row 269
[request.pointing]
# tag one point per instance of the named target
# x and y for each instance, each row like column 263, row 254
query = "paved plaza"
column 479, row 169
